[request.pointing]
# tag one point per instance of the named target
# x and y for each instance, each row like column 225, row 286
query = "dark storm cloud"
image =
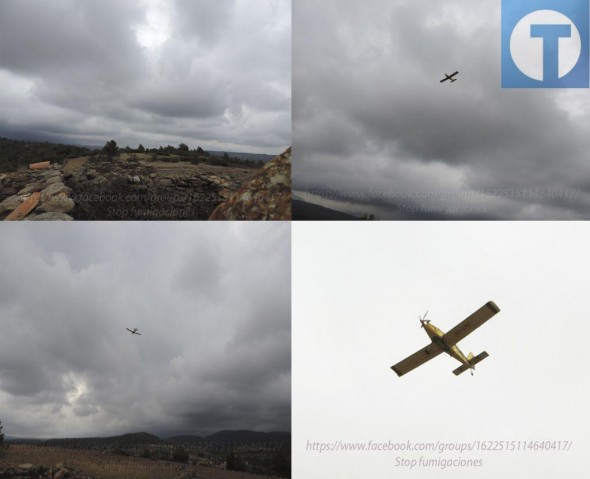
column 218, row 73
column 215, row 346
column 374, row 125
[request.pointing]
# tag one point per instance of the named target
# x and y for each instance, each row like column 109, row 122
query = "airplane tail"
column 472, row 362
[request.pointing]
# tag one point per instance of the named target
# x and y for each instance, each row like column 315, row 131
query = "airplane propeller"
column 423, row 319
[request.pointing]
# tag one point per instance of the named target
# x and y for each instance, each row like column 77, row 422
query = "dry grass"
column 74, row 163
column 110, row 466
column 184, row 168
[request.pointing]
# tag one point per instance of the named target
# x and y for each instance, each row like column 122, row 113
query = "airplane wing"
column 467, row 326
column 417, row 359
column 444, row 79
column 453, row 74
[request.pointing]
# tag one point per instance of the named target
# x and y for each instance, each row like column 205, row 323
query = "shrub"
column 179, row 454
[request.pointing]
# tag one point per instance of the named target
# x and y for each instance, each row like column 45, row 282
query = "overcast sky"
column 212, row 303
column 373, row 124
column 210, row 74
column 357, row 302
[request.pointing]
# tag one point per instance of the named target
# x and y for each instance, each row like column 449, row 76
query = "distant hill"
column 304, row 211
column 184, row 439
column 242, row 436
column 249, row 436
column 125, row 439
column 244, row 156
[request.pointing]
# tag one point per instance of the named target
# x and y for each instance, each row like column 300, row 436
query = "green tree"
column 1, row 435
column 141, row 148
column 110, row 149
column 183, row 148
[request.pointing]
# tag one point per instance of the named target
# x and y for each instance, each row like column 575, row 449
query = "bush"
column 3, row 446
column 179, row 454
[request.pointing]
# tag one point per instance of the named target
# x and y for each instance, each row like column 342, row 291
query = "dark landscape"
column 225, row 454
column 47, row 181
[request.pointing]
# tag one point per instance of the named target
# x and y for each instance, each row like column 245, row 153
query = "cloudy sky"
column 375, row 130
column 213, row 307
column 210, row 74
column 356, row 310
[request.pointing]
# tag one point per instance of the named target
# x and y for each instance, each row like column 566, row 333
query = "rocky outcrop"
column 134, row 191
column 266, row 197
column 131, row 189
column 59, row 471
column 34, row 193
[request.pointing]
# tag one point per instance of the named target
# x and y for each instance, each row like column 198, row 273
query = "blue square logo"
column 545, row 44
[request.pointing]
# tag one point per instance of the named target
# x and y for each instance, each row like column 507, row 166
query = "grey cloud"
column 371, row 116
column 215, row 328
column 79, row 73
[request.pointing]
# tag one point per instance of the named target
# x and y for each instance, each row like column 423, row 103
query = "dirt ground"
column 111, row 466
column 173, row 169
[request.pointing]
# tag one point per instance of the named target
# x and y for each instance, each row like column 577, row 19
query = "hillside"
column 82, row 464
column 304, row 211
column 262, row 453
column 131, row 186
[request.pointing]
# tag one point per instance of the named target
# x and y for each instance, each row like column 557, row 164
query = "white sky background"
column 212, row 303
column 357, row 292
column 373, row 123
column 210, row 74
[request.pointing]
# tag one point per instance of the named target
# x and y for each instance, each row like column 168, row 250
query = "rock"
column 9, row 191
column 266, row 197
column 53, row 179
column 24, row 208
column 10, row 204
column 52, row 216
column 50, row 174
column 60, row 474
column 31, row 188
column 55, row 189
column 136, row 180
column 59, row 203
column 25, row 466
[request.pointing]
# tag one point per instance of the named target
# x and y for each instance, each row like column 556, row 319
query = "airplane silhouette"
column 450, row 77
column 134, row 331
column 447, row 342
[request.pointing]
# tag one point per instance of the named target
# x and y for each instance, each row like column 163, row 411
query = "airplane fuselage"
column 437, row 337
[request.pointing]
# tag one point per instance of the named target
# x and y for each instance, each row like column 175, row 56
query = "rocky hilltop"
column 130, row 188
column 267, row 196
column 35, row 195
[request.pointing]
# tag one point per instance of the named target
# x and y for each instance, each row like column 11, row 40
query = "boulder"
column 55, row 189
column 10, row 204
column 60, row 203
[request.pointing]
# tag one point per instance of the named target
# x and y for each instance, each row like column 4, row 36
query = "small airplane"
column 134, row 331
column 447, row 343
column 450, row 77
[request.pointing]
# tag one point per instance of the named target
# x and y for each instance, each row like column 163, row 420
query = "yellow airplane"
column 447, row 343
